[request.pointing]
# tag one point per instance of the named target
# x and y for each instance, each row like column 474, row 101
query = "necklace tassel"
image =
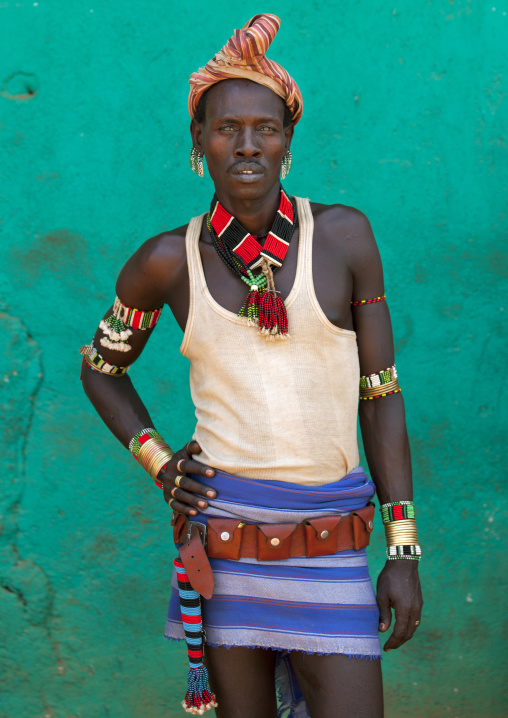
column 250, row 307
column 273, row 318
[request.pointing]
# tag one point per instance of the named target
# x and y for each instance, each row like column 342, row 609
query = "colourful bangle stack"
column 135, row 444
column 381, row 384
column 400, row 528
column 149, row 448
column 96, row 362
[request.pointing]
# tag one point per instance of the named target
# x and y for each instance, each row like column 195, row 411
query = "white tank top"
column 281, row 410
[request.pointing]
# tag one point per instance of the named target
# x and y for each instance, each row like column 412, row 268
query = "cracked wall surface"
column 405, row 118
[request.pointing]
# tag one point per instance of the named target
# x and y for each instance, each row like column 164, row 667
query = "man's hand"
column 398, row 587
column 182, row 493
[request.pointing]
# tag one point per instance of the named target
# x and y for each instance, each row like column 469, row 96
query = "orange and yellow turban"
column 243, row 56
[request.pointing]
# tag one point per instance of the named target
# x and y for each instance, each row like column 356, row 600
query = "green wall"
column 405, row 119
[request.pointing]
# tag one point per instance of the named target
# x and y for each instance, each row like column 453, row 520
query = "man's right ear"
column 197, row 135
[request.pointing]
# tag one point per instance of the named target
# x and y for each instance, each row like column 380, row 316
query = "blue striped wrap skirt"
column 323, row 605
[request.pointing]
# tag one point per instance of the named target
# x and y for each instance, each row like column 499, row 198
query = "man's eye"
column 267, row 127
column 227, row 128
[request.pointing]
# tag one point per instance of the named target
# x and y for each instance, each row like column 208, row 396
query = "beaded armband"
column 136, row 318
column 400, row 529
column 97, row 363
column 149, row 448
column 374, row 300
column 118, row 326
column 375, row 386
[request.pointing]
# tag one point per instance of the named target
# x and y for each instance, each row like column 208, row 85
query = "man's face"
column 243, row 138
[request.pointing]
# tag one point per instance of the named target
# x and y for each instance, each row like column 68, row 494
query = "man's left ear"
column 288, row 131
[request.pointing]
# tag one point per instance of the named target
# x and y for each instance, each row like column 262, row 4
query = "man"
column 275, row 440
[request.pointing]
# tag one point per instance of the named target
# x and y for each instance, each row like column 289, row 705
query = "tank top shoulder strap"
column 306, row 224
column 195, row 275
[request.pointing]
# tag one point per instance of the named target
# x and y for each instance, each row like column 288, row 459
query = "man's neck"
column 255, row 215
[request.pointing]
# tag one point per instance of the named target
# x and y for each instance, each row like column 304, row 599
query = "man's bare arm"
column 145, row 282
column 384, row 433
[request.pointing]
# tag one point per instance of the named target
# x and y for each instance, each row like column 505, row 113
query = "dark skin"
column 244, row 139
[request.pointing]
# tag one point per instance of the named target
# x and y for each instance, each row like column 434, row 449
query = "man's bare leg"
column 339, row 686
column 243, row 680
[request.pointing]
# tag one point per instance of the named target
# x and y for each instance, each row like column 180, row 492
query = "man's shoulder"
column 155, row 266
column 342, row 225
column 162, row 249
column 337, row 216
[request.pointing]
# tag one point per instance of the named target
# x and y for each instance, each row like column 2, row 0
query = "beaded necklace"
column 241, row 252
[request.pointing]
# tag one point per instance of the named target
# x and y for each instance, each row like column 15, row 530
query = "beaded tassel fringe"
column 273, row 317
column 199, row 698
column 242, row 253
column 116, row 334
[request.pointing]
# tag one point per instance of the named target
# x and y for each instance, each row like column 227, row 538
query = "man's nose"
column 246, row 145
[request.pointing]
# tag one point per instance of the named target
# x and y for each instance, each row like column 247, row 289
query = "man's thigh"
column 339, row 686
column 243, row 680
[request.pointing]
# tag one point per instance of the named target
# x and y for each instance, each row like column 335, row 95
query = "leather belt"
column 234, row 539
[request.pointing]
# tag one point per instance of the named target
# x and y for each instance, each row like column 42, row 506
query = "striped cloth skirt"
column 323, row 605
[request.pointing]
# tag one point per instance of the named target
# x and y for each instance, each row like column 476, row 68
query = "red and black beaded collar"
column 242, row 253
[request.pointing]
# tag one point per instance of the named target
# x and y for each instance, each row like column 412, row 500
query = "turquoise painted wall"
column 405, row 118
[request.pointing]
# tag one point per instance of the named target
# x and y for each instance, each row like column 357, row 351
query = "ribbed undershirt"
column 279, row 410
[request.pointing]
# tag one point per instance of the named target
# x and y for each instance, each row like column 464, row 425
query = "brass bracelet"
column 392, row 531
column 149, row 447
column 153, row 455
column 401, row 532
column 403, row 524
column 368, row 391
column 158, row 462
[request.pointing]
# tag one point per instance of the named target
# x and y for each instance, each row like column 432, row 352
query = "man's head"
column 244, row 133
column 243, row 108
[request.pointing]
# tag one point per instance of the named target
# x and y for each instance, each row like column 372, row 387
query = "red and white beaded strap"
column 136, row 318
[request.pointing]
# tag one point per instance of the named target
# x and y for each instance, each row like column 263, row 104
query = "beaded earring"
column 196, row 162
column 286, row 164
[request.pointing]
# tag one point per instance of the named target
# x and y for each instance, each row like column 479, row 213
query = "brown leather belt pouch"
column 274, row 541
column 225, row 538
column 322, row 536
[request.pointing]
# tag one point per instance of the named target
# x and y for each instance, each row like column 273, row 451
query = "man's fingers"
column 189, row 466
column 181, row 508
column 399, row 632
column 193, row 447
column 184, row 497
column 385, row 614
column 196, row 488
column 412, row 624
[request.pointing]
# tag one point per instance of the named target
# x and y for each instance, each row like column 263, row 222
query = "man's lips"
column 246, row 170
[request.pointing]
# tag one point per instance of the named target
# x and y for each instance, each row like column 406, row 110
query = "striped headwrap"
column 243, row 57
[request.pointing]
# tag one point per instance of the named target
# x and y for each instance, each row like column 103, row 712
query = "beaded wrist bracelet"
column 381, row 384
column 136, row 443
column 397, row 510
column 97, row 363
column 412, row 552
column 149, row 448
column 400, row 529
column 374, row 300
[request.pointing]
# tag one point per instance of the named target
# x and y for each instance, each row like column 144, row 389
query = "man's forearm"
column 117, row 402
column 386, row 445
